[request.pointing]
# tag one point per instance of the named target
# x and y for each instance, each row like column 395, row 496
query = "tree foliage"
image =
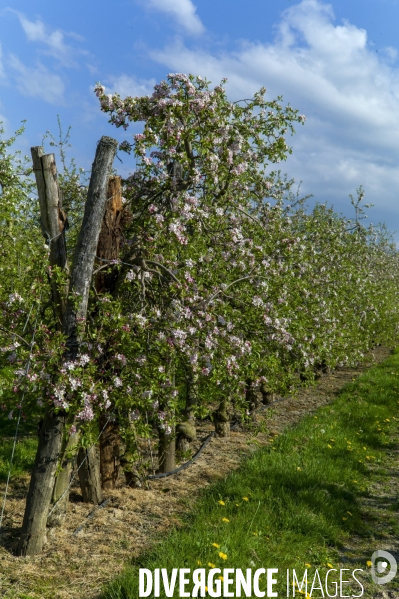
column 224, row 277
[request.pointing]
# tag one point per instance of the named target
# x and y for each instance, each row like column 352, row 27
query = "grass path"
column 305, row 527
column 323, row 495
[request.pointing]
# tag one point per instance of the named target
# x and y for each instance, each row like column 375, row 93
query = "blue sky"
column 337, row 62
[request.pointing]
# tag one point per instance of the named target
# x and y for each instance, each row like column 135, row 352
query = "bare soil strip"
column 77, row 566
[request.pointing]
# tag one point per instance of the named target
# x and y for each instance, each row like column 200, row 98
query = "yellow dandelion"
column 225, row 520
column 222, row 502
column 245, row 499
column 330, row 566
column 369, row 564
column 220, row 578
column 222, row 555
column 215, row 545
column 308, row 565
column 199, row 562
column 211, row 565
column 238, row 504
column 329, row 446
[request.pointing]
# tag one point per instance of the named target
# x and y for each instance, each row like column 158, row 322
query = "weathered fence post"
column 107, row 250
column 89, row 475
column 52, row 432
column 53, row 221
column 63, row 478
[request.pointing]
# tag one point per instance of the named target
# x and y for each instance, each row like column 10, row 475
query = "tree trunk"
column 50, row 442
column 89, row 475
column 166, row 451
column 109, row 453
column 251, row 397
column 186, row 432
column 221, row 420
column 33, row 533
column 129, row 458
column 167, row 443
column 268, row 396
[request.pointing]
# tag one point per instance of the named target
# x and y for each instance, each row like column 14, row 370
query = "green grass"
column 25, row 449
column 302, row 494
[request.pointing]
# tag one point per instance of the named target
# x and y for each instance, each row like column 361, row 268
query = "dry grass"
column 72, row 567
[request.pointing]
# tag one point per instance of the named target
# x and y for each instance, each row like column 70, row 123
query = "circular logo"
column 380, row 567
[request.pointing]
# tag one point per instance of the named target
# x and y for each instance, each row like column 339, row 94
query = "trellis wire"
column 19, row 410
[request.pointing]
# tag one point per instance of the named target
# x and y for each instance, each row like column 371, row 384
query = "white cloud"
column 349, row 93
column 183, row 12
column 37, row 81
column 391, row 53
column 125, row 85
column 53, row 40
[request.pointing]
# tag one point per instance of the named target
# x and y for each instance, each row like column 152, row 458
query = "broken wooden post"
column 53, row 221
column 51, row 435
column 108, row 248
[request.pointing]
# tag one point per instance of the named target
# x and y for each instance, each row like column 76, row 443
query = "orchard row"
column 213, row 282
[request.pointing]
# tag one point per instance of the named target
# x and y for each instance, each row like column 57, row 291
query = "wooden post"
column 109, row 453
column 89, row 475
column 50, row 441
column 53, row 221
column 53, row 224
column 63, row 478
column 166, row 451
column 108, row 248
column 86, row 246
